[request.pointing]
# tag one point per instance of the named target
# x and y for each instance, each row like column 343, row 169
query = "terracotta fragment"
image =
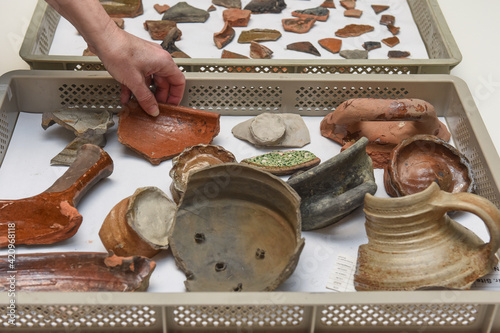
column 391, row 41
column 161, row 8
column 160, row 138
column 211, row 8
column 354, row 54
column 258, row 35
column 298, row 25
column 123, row 8
column 331, row 44
column 353, row 13
column 224, row 37
column 348, row 4
column 420, row 160
column 236, row 17
column 333, row 189
column 266, row 6
column 371, row 45
column 168, row 43
column 185, row 13
column 328, row 4
column 318, row 13
column 379, row 8
column 387, row 20
column 414, row 244
column 284, row 162
column 139, row 224
column 353, row 30
column 398, row 54
column 385, row 122
column 192, row 159
column 394, row 30
column 245, row 235
column 228, row 3
column 158, row 30
column 51, row 216
column 78, row 272
column 232, row 55
column 306, row 47
column 259, row 51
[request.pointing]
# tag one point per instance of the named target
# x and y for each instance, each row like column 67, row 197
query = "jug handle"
column 479, row 206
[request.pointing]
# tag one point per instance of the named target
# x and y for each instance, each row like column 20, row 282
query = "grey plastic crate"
column 229, row 94
column 441, row 48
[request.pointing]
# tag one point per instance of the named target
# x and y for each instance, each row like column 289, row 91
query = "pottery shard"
column 353, row 13
column 236, row 17
column 354, row 54
column 258, row 35
column 379, row 8
column 384, row 122
column 266, row 6
column 371, row 45
column 306, row 47
column 158, row 30
column 232, row 55
column 348, row 4
column 298, row 25
column 161, row 8
column 331, row 44
column 353, row 30
column 391, row 41
column 328, row 4
column 259, row 51
column 160, row 138
column 228, row 3
column 398, row 54
column 267, row 129
column 387, row 20
column 123, row 8
column 221, row 39
column 168, row 43
column 185, row 13
column 77, row 272
column 318, row 13
column 284, row 162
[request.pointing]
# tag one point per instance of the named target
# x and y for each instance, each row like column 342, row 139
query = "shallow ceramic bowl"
column 421, row 160
column 236, row 229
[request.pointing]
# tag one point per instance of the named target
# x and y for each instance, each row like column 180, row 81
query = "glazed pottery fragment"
column 284, row 162
column 398, row 54
column 391, row 41
column 78, row 272
column 161, row 8
column 387, row 20
column 232, row 55
column 228, row 3
column 123, row 8
column 259, row 51
column 353, row 30
column 51, row 216
column 354, row 54
column 182, row 12
column 274, row 130
column 328, row 4
column 379, row 8
column 333, row 189
column 318, row 13
column 371, row 45
column 236, row 17
column 168, row 43
column 224, row 37
column 89, row 126
column 306, row 47
column 414, row 244
column 331, row 44
column 385, row 122
column 139, row 224
column 266, row 6
column 258, row 35
column 348, row 4
column 298, row 25
column 420, row 160
column 237, row 228
column 192, row 159
column 160, row 138
column 159, row 29
column 353, row 13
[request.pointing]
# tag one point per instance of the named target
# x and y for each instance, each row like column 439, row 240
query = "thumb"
column 146, row 100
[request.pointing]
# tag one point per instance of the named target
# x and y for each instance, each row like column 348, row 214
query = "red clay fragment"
column 225, row 36
column 328, row 4
column 259, row 51
column 123, row 8
column 391, row 41
column 298, row 25
column 232, row 55
column 237, row 17
column 353, row 13
column 331, row 44
column 160, row 138
column 161, row 8
column 159, row 29
column 354, row 30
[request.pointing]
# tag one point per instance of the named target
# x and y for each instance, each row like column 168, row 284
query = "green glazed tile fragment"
column 284, row 162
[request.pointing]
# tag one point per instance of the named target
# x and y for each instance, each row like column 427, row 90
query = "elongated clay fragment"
column 77, row 271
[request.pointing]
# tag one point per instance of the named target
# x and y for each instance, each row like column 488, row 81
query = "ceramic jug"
column 413, row 243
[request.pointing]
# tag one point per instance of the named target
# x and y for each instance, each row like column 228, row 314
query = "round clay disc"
column 267, row 128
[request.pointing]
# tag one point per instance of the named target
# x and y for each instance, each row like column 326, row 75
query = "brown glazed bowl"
column 423, row 159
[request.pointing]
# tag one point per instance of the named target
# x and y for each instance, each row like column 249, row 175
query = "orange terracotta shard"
column 298, row 25
column 160, row 138
column 331, row 44
column 159, row 29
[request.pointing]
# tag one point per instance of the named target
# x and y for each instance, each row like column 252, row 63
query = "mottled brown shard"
column 387, row 20
column 379, row 8
column 398, row 54
column 168, row 43
column 258, row 35
column 259, row 51
column 160, row 138
column 123, row 8
column 306, row 47
column 371, row 45
column 159, row 29
column 348, row 4
column 331, row 44
column 394, row 30
column 232, row 55
column 318, row 13
column 182, row 12
column 77, row 272
column 353, row 30
column 328, row 4
column 161, row 8
column 211, row 8
column 266, row 6
column 224, row 37
column 228, row 3
column 353, row 13
column 391, row 41
column 298, row 25
column 237, row 17
column 51, row 216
